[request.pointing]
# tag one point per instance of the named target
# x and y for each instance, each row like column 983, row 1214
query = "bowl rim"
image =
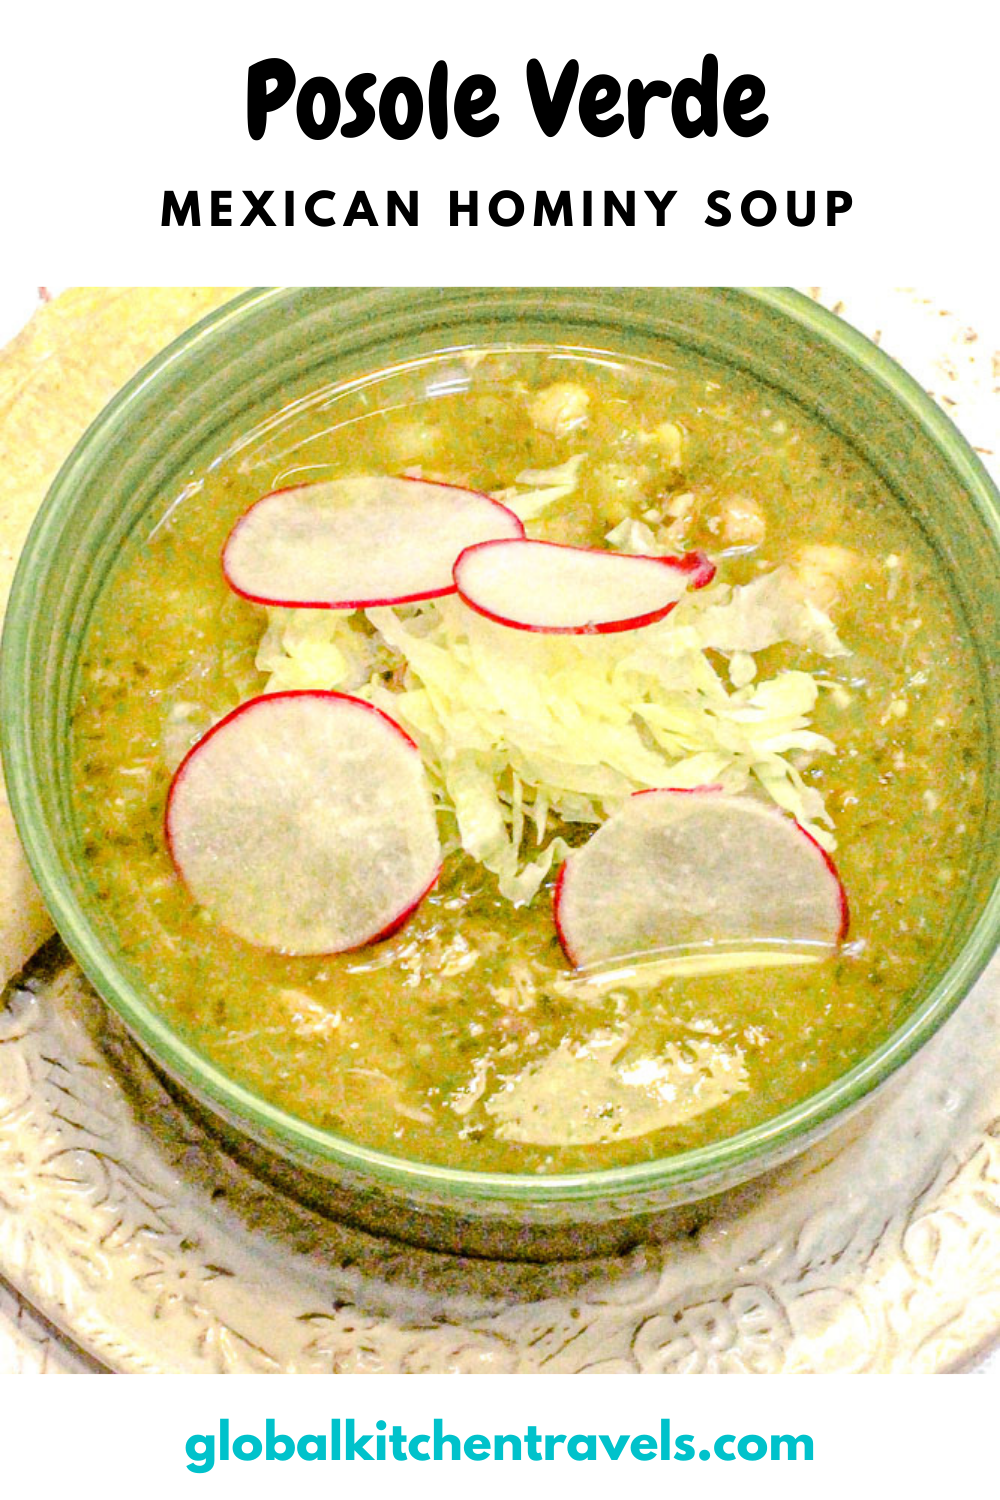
column 780, row 1135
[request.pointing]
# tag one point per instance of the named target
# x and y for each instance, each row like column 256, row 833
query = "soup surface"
column 824, row 668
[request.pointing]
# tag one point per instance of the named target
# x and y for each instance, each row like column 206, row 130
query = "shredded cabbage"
column 768, row 610
column 536, row 489
column 634, row 536
column 523, row 733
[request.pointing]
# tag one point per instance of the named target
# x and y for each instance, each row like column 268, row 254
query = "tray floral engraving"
column 126, row 1225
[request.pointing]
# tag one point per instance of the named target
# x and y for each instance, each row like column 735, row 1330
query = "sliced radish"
column 688, row 870
column 545, row 586
column 355, row 543
column 303, row 821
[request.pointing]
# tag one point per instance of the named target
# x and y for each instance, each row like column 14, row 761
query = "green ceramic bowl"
column 268, row 348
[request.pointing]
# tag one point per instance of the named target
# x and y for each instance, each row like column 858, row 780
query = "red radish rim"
column 844, row 905
column 708, row 786
column 845, row 909
column 696, row 563
column 842, row 899
column 646, row 791
column 395, row 922
column 392, row 926
column 556, row 898
column 350, row 604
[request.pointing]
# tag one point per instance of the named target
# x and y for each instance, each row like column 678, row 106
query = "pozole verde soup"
column 820, row 675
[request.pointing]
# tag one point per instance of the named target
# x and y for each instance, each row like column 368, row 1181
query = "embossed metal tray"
column 125, row 1225
column 130, row 1240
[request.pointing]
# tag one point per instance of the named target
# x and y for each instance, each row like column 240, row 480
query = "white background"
column 103, row 106
column 868, row 1433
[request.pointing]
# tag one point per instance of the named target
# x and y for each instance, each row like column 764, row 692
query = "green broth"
column 402, row 1045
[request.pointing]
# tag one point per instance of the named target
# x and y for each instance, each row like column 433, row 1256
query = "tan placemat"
column 55, row 377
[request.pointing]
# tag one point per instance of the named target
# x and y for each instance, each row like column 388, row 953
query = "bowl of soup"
column 521, row 762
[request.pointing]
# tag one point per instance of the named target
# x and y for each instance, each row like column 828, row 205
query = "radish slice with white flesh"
column 721, row 881
column 303, row 821
column 357, row 543
column 548, row 587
